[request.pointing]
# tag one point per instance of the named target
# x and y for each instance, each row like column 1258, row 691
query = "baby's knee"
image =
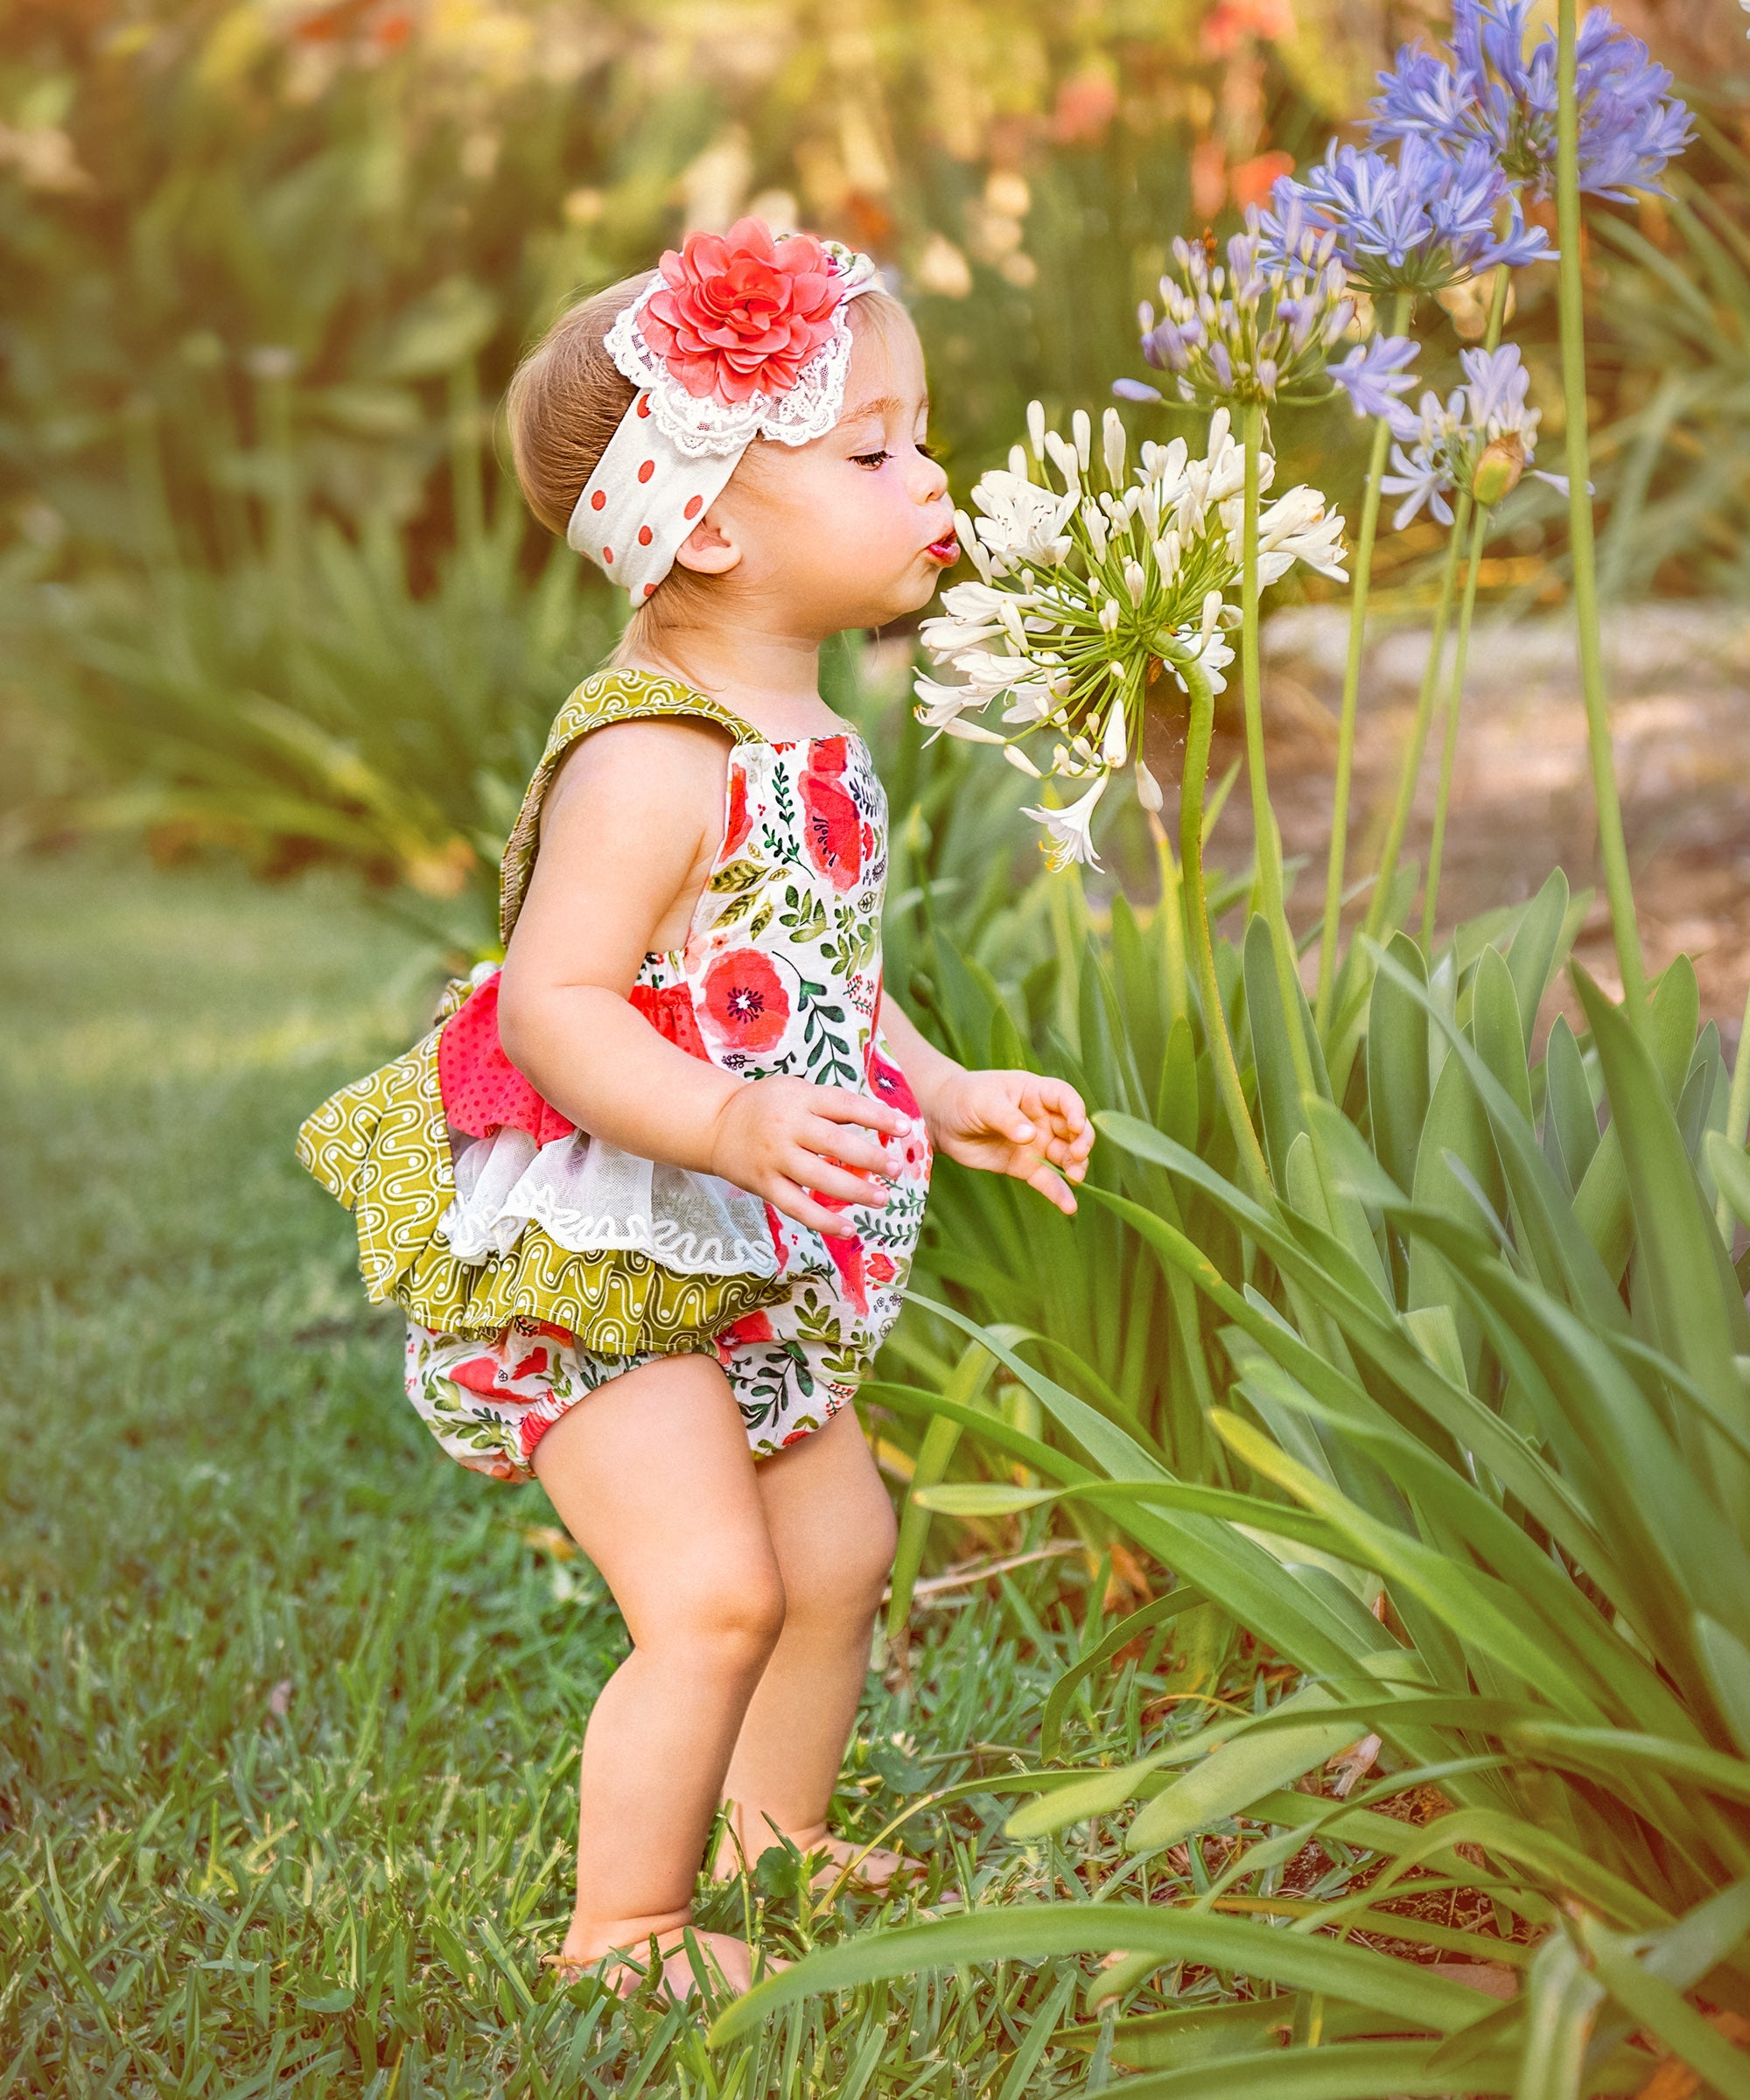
column 731, row 1613
column 855, row 1571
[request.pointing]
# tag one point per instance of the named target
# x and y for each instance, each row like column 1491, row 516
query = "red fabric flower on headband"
column 739, row 313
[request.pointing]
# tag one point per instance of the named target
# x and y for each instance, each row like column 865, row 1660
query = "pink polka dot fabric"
column 483, row 1091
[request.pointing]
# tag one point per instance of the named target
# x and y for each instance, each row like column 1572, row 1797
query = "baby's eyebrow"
column 888, row 405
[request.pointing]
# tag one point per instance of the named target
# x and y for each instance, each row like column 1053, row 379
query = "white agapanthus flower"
column 1068, row 836
column 1086, row 592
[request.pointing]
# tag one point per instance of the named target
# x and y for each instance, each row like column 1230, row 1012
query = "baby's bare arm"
column 628, row 830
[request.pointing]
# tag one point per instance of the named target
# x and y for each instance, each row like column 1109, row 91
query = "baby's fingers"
column 833, row 1142
column 795, row 1203
column 1055, row 1102
column 809, row 1170
column 1052, row 1185
column 839, row 1104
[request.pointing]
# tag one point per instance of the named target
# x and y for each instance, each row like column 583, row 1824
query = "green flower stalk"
column 1463, row 448
column 1352, row 686
column 1612, row 847
column 1267, row 842
column 1449, row 748
column 1200, row 724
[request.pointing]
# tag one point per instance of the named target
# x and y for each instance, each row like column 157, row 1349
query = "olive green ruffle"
column 382, row 1147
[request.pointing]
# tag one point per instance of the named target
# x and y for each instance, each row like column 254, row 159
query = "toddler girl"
column 648, row 1193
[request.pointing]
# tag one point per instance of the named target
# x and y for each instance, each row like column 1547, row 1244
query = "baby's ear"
column 707, row 549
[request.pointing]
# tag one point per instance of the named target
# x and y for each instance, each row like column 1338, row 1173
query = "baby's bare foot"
column 875, row 1871
column 623, row 1968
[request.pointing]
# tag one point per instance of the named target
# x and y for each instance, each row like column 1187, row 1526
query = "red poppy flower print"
column 668, row 1008
column 530, row 1431
column 878, row 1267
column 751, row 1328
column 482, row 1091
column 745, row 1006
column 847, row 1258
column 794, row 1437
column 832, row 822
column 739, row 822
column 888, row 1083
column 479, row 1375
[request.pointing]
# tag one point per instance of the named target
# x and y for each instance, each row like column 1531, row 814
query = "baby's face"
column 854, row 529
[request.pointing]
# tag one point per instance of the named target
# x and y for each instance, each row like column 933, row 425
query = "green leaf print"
column 804, row 916
column 735, row 876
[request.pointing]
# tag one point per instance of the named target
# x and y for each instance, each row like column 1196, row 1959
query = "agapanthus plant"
column 1082, row 589
column 1416, row 222
column 1493, row 92
column 1482, row 438
column 1256, row 328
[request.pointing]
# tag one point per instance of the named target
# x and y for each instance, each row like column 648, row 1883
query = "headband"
column 737, row 337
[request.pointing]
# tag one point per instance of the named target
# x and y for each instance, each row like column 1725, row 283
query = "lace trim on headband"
column 700, row 426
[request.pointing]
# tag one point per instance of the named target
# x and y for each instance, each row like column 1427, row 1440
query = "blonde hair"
column 565, row 404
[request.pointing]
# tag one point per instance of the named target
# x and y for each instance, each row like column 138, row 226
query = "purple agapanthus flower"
column 1466, row 440
column 1419, row 222
column 1253, row 327
column 1493, row 92
column 1372, row 374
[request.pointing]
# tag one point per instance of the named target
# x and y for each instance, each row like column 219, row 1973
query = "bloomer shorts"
column 489, row 1403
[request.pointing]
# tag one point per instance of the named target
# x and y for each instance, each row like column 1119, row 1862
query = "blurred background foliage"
column 263, row 581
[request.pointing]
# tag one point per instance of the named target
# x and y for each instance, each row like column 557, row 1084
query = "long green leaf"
column 1342, row 2070
column 1354, row 1975
column 1480, row 1609
column 1664, row 2012
column 1693, row 1289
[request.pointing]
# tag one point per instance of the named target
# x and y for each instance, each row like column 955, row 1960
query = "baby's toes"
column 876, row 1870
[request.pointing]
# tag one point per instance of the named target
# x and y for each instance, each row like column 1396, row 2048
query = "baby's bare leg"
column 831, row 1526
column 653, row 1477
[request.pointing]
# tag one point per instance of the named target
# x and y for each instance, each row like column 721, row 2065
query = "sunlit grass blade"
column 1354, row 1975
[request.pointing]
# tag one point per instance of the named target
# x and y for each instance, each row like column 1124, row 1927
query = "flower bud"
column 1134, row 581
column 1498, row 468
column 1082, row 430
column 1148, row 789
column 1018, row 463
column 1036, row 429
column 1021, row 762
column 1112, row 444
column 1109, row 615
column 1115, row 745
column 1063, row 458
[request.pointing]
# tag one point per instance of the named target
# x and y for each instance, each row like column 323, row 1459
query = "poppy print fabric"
column 780, row 974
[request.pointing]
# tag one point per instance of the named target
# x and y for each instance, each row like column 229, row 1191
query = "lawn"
column 291, row 1706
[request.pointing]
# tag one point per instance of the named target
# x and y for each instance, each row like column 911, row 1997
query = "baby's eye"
column 869, row 458
column 926, row 448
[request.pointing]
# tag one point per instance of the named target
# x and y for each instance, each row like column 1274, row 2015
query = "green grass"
column 289, row 1706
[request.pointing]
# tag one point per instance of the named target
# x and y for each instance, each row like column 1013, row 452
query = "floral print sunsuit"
column 544, row 1262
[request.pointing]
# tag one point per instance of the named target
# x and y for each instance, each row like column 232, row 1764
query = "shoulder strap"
column 609, row 696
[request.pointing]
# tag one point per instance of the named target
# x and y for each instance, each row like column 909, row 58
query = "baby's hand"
column 1016, row 1123
column 791, row 1142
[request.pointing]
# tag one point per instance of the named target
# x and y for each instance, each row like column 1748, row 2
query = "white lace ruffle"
column 703, row 427
column 592, row 1198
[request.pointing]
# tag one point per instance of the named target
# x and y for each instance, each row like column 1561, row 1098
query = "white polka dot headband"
column 737, row 337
